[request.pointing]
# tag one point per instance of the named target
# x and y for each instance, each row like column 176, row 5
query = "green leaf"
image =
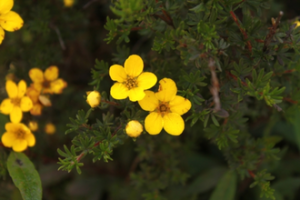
column 225, row 189
column 24, row 176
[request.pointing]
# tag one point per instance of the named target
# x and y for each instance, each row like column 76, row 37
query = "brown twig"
column 272, row 30
column 110, row 102
column 214, row 90
column 235, row 19
column 165, row 17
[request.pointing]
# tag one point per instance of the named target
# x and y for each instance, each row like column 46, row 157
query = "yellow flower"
column 33, row 125
column 17, row 102
column 47, row 82
column 131, row 80
column 18, row 136
column 134, row 128
column 50, row 128
column 68, row 3
column 33, row 94
column 165, row 109
column 297, row 23
column 9, row 20
column 93, row 98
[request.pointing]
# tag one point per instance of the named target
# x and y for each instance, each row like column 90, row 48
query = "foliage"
column 237, row 62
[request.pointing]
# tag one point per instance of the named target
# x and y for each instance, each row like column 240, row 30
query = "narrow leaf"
column 226, row 187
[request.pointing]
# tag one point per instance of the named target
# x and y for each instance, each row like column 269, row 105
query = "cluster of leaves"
column 232, row 47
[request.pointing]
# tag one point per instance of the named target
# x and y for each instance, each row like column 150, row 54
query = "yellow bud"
column 134, row 128
column 68, row 3
column 33, row 125
column 50, row 128
column 93, row 98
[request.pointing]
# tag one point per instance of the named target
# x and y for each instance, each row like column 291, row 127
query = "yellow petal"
column 146, row 80
column 173, row 124
column 167, row 90
column 22, row 87
column 45, row 101
column 51, row 73
column 119, row 91
column 33, row 94
column 6, row 106
column 8, row 139
column 10, row 127
column 136, row 94
column 134, row 65
column 36, row 109
column 16, row 114
column 149, row 102
column 180, row 105
column 117, row 73
column 11, row 21
column 68, row 3
column 19, row 145
column 29, row 137
column 26, row 104
column 154, row 123
column 11, row 89
column 36, row 75
column 6, row 6
column 57, row 86
column 2, row 34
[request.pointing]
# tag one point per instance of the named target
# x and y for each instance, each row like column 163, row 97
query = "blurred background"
column 72, row 38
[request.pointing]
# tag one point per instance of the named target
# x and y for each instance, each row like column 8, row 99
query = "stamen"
column 163, row 108
column 20, row 134
column 46, row 84
column 131, row 83
column 16, row 101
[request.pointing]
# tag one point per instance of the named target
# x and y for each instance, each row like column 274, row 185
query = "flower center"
column 163, row 108
column 16, row 101
column 46, row 84
column 20, row 134
column 131, row 83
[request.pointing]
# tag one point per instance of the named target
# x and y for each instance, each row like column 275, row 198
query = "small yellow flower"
column 33, row 94
column 93, row 98
column 69, row 3
column 18, row 136
column 50, row 128
column 33, row 125
column 9, row 20
column 134, row 128
column 297, row 23
column 47, row 82
column 17, row 102
column 165, row 109
column 131, row 80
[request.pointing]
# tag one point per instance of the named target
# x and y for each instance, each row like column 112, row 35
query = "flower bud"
column 50, row 128
column 134, row 128
column 93, row 98
column 33, row 125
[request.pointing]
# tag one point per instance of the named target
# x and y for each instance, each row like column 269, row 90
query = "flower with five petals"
column 47, row 82
column 165, row 109
column 18, row 136
column 131, row 80
column 17, row 103
column 9, row 20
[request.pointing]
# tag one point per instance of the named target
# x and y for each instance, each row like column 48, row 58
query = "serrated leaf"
column 24, row 176
column 226, row 187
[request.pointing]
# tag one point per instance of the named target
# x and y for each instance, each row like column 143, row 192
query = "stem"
column 242, row 30
column 110, row 102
